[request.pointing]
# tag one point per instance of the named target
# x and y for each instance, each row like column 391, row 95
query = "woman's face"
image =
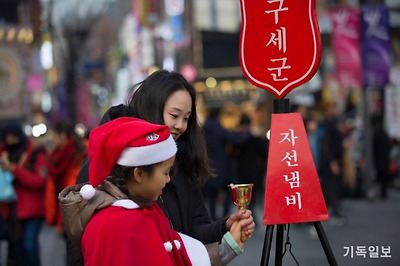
column 177, row 110
column 152, row 184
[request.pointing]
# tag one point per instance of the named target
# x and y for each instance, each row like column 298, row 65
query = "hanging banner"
column 293, row 193
column 375, row 45
column 280, row 43
column 346, row 38
column 174, row 10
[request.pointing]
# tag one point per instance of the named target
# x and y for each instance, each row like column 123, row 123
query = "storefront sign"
column 11, row 75
column 12, row 79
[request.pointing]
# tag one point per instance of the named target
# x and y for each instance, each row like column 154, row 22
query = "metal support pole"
column 279, row 245
column 267, row 245
column 325, row 243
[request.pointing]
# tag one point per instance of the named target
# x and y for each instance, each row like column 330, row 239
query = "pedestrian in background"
column 217, row 138
column 331, row 161
column 168, row 98
column 349, row 167
column 381, row 151
column 66, row 154
column 394, row 159
column 314, row 133
column 28, row 165
column 251, row 159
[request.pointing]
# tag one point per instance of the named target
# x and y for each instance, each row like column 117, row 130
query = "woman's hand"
column 246, row 222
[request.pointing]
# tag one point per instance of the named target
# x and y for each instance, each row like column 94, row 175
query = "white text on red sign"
column 290, row 158
column 278, row 39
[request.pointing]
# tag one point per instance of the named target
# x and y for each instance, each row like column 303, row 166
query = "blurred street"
column 66, row 64
column 368, row 224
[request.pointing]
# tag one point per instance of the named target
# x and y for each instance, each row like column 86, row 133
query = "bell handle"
column 243, row 237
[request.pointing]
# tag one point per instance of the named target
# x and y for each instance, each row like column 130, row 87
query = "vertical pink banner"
column 346, row 38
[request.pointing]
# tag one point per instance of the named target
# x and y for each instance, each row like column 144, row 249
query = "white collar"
column 126, row 203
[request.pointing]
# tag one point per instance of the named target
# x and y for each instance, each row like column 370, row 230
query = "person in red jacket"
column 28, row 165
column 67, row 151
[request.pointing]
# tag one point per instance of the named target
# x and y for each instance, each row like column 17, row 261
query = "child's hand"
column 236, row 232
column 246, row 220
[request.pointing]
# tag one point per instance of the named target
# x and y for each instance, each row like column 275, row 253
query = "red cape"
column 120, row 236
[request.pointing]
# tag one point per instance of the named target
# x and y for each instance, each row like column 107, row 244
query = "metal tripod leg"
column 325, row 243
column 267, row 245
column 279, row 244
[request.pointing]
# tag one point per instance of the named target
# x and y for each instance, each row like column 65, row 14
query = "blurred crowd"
column 240, row 155
column 349, row 163
column 34, row 170
column 39, row 168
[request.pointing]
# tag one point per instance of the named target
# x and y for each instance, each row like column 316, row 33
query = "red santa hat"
column 125, row 141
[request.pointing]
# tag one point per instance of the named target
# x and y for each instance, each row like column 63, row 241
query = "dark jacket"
column 217, row 139
column 183, row 205
column 331, row 146
column 251, row 160
column 381, row 151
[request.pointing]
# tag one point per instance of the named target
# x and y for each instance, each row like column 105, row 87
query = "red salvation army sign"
column 293, row 193
column 280, row 43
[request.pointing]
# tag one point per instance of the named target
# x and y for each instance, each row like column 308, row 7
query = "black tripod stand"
column 282, row 106
column 279, row 244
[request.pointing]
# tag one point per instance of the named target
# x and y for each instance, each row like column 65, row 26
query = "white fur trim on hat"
column 147, row 155
column 87, row 191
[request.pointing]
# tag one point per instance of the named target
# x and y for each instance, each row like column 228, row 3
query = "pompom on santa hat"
column 128, row 142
